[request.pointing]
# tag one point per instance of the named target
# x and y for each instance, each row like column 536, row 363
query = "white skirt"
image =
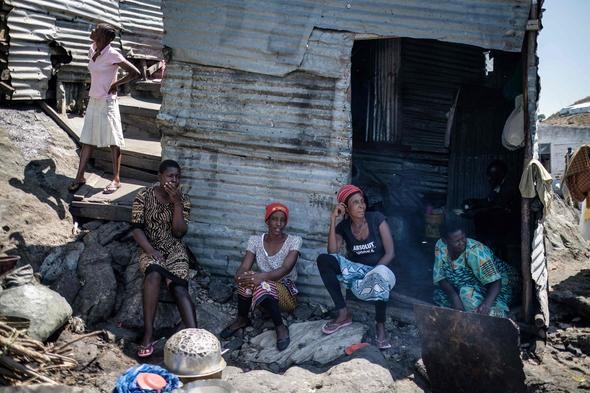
column 102, row 124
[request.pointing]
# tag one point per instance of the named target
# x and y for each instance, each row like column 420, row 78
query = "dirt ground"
column 39, row 161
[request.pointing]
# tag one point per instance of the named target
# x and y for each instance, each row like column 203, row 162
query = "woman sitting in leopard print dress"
column 160, row 219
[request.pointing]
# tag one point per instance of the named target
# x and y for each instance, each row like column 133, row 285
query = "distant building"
column 567, row 129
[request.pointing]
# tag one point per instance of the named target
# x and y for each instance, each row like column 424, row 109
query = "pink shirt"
column 103, row 71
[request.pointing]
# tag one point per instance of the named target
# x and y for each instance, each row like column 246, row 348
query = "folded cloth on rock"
column 368, row 283
column 127, row 382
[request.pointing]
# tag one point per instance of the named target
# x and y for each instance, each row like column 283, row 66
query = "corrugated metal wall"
column 4, row 73
column 29, row 61
column 90, row 10
column 271, row 36
column 35, row 24
column 247, row 139
column 142, row 28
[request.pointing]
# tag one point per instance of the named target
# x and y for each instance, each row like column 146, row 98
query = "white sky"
column 564, row 54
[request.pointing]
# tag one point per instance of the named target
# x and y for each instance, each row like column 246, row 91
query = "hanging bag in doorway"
column 513, row 133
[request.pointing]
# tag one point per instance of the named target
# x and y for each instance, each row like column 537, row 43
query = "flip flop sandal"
column 333, row 327
column 144, row 351
column 382, row 344
column 111, row 188
column 75, row 186
column 354, row 347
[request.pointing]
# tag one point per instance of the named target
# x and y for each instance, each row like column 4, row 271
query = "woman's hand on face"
column 339, row 210
column 173, row 193
column 157, row 255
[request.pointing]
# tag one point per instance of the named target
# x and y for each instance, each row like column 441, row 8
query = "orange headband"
column 276, row 207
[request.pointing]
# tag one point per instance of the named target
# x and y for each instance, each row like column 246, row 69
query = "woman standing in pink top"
column 102, row 123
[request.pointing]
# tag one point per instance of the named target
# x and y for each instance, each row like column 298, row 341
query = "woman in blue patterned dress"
column 470, row 277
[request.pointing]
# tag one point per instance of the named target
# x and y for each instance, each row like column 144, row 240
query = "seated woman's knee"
column 153, row 278
column 325, row 260
column 178, row 291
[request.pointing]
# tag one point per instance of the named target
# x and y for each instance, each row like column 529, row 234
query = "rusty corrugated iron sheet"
column 142, row 28
column 75, row 38
column 271, row 37
column 37, row 25
column 90, row 10
column 29, row 61
column 244, row 140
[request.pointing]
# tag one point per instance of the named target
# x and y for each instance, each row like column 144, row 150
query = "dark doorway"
column 427, row 119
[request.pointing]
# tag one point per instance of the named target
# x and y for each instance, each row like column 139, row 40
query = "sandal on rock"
column 76, row 184
column 144, row 351
column 111, row 188
column 382, row 344
column 333, row 326
column 283, row 343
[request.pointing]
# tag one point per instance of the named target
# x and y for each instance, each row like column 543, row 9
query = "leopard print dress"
column 155, row 219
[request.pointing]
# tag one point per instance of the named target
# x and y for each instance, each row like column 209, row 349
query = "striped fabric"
column 539, row 271
column 284, row 291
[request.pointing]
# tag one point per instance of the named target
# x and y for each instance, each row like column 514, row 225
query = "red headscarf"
column 276, row 207
column 345, row 191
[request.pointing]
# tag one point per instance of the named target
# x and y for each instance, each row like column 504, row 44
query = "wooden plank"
column 60, row 121
column 146, row 163
column 123, row 196
column 127, row 171
column 147, row 104
column 91, row 180
column 101, row 211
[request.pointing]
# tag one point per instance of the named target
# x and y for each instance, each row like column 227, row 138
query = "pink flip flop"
column 144, row 351
column 333, row 327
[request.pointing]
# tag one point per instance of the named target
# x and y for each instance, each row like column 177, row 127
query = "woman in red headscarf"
column 273, row 286
column 369, row 250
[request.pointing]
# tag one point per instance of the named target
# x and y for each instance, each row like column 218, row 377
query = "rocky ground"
column 92, row 265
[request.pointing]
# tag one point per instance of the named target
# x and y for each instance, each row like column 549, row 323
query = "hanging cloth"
column 536, row 181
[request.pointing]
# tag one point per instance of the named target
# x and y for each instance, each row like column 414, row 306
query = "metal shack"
column 287, row 100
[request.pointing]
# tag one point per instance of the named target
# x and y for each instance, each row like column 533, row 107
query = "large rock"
column 46, row 309
column 261, row 381
column 220, row 290
column 68, row 285
column 96, row 299
column 106, row 233
column 122, row 254
column 212, row 317
column 366, row 371
column 307, row 343
column 60, row 260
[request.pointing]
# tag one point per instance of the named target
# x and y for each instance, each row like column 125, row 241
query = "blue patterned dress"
column 469, row 274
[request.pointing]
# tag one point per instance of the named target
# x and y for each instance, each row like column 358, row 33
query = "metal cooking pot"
column 193, row 353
